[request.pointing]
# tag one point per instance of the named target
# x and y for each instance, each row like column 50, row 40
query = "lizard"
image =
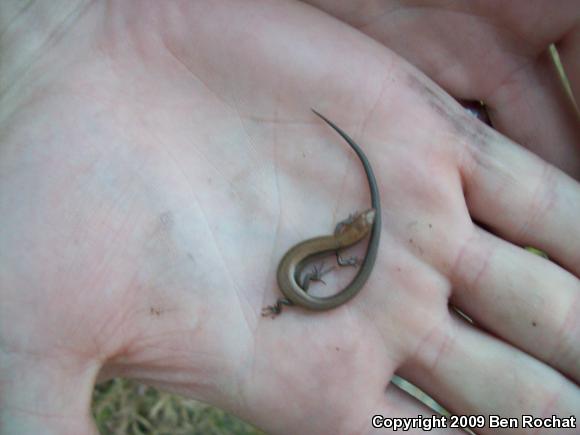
column 347, row 233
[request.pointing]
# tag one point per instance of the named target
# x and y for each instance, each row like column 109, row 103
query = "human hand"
column 494, row 51
column 154, row 170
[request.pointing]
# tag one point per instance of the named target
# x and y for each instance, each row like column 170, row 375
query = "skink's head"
column 356, row 227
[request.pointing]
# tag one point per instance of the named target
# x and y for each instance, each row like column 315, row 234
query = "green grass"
column 128, row 408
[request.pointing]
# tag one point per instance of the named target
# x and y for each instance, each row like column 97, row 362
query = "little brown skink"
column 347, row 233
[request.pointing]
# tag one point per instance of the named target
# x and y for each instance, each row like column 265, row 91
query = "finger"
column 532, row 108
column 520, row 297
column 520, row 197
column 470, row 372
column 509, row 67
column 569, row 50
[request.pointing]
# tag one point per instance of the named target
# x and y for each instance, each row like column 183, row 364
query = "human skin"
column 489, row 50
column 156, row 161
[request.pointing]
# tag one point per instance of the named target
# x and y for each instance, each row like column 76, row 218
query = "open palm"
column 157, row 162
